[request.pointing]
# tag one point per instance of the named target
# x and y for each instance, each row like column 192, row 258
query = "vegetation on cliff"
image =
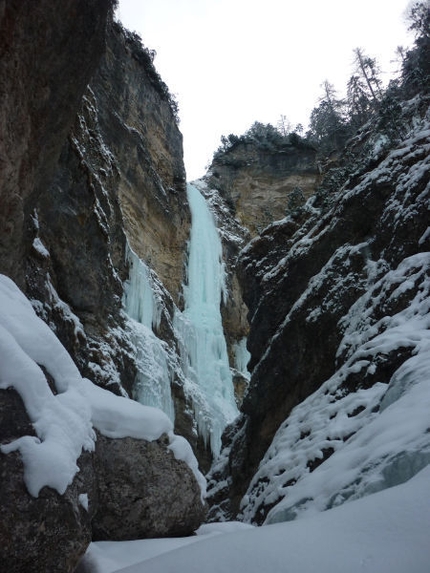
column 145, row 56
column 335, row 120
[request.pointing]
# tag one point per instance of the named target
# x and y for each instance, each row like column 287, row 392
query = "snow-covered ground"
column 386, row 532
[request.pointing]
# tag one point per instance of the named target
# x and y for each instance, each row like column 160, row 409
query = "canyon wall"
column 306, row 280
column 91, row 162
column 46, row 63
column 120, row 178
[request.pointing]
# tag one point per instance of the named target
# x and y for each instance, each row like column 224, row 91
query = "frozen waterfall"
column 203, row 365
column 153, row 378
column 200, row 330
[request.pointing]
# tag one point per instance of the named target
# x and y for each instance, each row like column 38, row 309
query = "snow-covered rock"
column 62, row 485
column 339, row 310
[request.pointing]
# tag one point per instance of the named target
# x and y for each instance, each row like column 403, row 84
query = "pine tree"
column 416, row 64
column 327, row 125
column 367, row 72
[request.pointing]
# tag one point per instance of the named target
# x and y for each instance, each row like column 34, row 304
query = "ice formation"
column 200, row 330
column 241, row 358
column 204, row 365
column 154, row 375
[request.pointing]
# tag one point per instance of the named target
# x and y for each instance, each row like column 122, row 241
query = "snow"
column 241, row 358
column 108, row 556
column 118, row 417
column 64, row 419
column 40, row 248
column 54, row 303
column 182, row 451
column 84, row 501
column 386, row 532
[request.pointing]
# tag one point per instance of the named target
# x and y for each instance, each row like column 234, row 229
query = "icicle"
column 241, row 358
column 140, row 301
column 199, row 327
column 144, row 308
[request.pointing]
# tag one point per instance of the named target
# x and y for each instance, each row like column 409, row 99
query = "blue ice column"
column 200, row 330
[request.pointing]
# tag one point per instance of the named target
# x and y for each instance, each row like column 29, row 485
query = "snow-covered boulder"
column 44, row 533
column 136, row 479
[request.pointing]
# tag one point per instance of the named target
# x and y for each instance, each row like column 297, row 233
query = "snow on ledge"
column 64, row 422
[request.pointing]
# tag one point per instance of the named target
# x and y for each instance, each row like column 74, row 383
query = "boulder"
column 45, row 533
column 144, row 491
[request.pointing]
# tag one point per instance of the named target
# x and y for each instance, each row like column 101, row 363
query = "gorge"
column 267, row 325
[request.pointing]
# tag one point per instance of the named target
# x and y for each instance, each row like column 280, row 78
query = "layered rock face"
column 139, row 128
column 257, row 182
column 304, row 280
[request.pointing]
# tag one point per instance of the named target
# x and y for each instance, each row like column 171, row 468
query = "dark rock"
column 48, row 533
column 144, row 491
column 47, row 57
column 78, row 285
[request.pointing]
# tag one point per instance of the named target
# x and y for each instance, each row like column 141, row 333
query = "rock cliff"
column 65, row 47
column 257, row 179
column 120, row 178
column 91, row 162
column 137, row 122
column 304, row 279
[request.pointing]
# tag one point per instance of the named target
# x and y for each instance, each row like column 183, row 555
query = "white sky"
column 233, row 62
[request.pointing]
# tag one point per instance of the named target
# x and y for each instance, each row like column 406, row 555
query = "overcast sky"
column 233, row 62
